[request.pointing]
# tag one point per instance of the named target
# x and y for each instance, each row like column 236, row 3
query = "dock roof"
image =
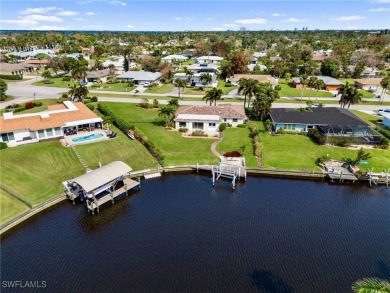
column 102, row 176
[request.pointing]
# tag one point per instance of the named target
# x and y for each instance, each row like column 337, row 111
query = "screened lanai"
column 363, row 134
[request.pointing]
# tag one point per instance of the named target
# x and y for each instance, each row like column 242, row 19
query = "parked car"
column 383, row 111
column 146, row 83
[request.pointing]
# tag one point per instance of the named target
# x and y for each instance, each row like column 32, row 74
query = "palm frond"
column 371, row 285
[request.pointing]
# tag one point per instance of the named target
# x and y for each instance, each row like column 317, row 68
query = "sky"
column 181, row 15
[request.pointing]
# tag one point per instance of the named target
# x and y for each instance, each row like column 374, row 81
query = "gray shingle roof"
column 317, row 116
column 326, row 79
column 140, row 75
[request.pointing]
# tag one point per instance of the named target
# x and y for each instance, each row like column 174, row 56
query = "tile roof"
column 46, row 119
column 98, row 73
column 317, row 116
column 369, row 81
column 260, row 78
column 222, row 110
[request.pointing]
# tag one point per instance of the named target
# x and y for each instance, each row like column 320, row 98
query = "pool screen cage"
column 358, row 134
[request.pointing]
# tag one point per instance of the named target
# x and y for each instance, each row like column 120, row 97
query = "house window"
column 182, row 124
column 235, row 120
column 41, row 133
column 289, row 126
column 197, row 125
column 7, row 136
column 49, row 132
column 212, row 124
column 224, row 119
column 57, row 130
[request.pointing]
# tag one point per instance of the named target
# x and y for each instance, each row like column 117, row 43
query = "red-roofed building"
column 208, row 118
column 50, row 124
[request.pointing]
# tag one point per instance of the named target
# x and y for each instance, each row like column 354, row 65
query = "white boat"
column 131, row 135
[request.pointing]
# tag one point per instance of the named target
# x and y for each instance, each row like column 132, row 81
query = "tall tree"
column 265, row 95
column 247, row 87
column 174, row 103
column 312, row 84
column 3, row 89
column 125, row 63
column 205, row 78
column 349, row 95
column 167, row 113
column 180, row 84
column 78, row 70
column 213, row 95
column 319, row 85
column 303, row 82
column 385, row 84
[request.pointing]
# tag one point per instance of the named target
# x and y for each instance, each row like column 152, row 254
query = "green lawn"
column 287, row 90
column 121, row 148
column 177, row 150
column 298, row 151
column 165, row 88
column 57, row 82
column 370, row 119
column 10, row 207
column 225, row 90
column 113, row 87
column 234, row 139
column 36, row 171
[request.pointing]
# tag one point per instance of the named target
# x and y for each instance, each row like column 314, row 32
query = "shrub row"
column 199, row 133
column 3, row 145
column 384, row 132
column 254, row 134
column 316, row 136
column 11, row 76
column 125, row 126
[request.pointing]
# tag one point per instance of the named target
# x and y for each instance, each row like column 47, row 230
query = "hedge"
column 384, row 132
column 125, row 126
column 3, row 145
column 11, row 76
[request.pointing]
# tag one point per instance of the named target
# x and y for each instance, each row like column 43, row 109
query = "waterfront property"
column 101, row 185
column 330, row 83
column 209, row 118
column 330, row 121
column 260, row 78
column 195, row 79
column 54, row 123
column 140, row 77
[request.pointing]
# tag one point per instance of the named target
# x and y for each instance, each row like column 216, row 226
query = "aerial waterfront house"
column 47, row 125
column 208, row 118
column 330, row 121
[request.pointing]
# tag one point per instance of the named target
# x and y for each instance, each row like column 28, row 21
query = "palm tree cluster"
column 349, row 95
column 247, row 87
column 213, row 95
column 77, row 92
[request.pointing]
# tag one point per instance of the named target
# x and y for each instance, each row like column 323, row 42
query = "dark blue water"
column 179, row 234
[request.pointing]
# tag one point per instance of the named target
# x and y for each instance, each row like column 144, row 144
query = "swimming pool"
column 88, row 137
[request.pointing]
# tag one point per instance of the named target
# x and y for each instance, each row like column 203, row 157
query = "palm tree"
column 174, row 103
column 213, row 95
column 303, row 83
column 319, row 85
column 371, row 285
column 248, row 88
column 385, row 84
column 180, row 83
column 189, row 74
column 167, row 113
column 78, row 70
column 311, row 84
column 77, row 92
column 205, row 78
column 72, row 91
column 349, row 95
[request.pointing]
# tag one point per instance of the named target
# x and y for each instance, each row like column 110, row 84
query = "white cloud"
column 115, row 2
column 67, row 13
column 349, row 18
column 177, row 18
column 252, row 21
column 277, row 14
column 80, row 19
column 22, row 22
column 90, row 13
column 381, row 9
column 230, row 25
column 130, row 26
column 217, row 29
column 209, row 18
column 292, row 19
column 382, row 1
column 49, row 28
column 38, row 10
column 38, row 17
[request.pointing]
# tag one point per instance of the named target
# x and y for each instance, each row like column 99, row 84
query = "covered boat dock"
column 101, row 185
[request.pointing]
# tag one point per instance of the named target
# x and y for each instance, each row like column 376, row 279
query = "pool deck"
column 67, row 140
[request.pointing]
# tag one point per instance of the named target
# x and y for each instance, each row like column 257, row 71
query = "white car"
column 146, row 84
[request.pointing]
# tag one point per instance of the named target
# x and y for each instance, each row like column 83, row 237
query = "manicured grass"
column 36, row 171
column 177, row 150
column 165, row 88
column 45, row 104
column 366, row 94
column 370, row 119
column 287, row 90
column 188, row 62
column 120, row 148
column 57, row 82
column 225, row 89
column 10, row 207
column 195, row 91
column 234, row 139
column 297, row 152
column 112, row 87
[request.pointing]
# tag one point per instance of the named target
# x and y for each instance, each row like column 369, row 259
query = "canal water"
column 179, row 234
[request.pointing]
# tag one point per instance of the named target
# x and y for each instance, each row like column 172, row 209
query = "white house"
column 96, row 75
column 203, row 67
column 195, row 79
column 172, row 58
column 386, row 119
column 209, row 59
column 209, row 118
column 50, row 124
column 140, row 77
